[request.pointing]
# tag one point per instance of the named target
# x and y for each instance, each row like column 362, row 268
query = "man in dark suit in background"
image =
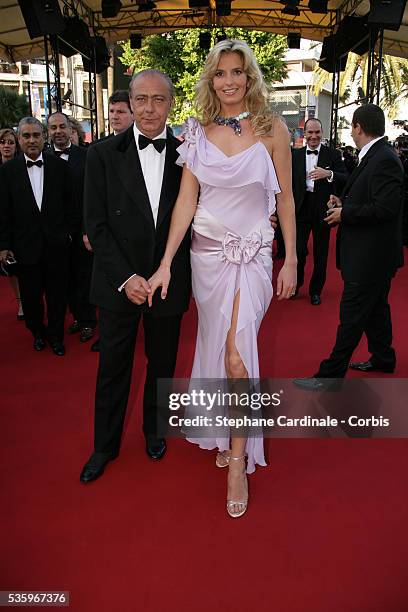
column 317, row 171
column 369, row 251
column 84, row 313
column 37, row 219
column 131, row 186
column 120, row 112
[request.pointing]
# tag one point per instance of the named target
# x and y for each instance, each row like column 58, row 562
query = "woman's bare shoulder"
column 277, row 135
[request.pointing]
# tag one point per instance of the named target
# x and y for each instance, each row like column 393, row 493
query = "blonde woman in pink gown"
column 237, row 172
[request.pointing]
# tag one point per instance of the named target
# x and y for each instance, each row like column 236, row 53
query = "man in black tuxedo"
column 369, row 250
column 83, row 311
column 120, row 119
column 317, row 171
column 131, row 186
column 37, row 220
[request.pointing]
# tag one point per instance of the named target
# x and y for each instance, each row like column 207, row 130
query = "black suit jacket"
column 120, row 225
column 327, row 158
column 76, row 163
column 25, row 229
column 369, row 238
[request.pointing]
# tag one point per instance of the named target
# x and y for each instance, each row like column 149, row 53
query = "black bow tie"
column 158, row 144
column 310, row 152
column 64, row 152
column 37, row 163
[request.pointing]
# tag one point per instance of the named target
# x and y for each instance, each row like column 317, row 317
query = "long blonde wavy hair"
column 256, row 99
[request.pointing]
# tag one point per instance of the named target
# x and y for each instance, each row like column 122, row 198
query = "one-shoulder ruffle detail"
column 201, row 156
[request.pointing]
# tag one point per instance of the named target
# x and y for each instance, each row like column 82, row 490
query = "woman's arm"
column 282, row 160
column 183, row 213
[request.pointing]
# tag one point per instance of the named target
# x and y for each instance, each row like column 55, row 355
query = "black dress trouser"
column 364, row 308
column 80, row 284
column 310, row 218
column 47, row 279
column 118, row 333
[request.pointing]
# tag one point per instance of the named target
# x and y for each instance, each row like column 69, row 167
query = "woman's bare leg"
column 235, row 368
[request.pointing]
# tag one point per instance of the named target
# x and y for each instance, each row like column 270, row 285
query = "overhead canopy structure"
column 168, row 15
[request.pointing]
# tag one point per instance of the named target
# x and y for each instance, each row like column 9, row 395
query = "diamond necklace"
column 232, row 122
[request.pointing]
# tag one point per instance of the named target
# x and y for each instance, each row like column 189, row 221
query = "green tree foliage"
column 179, row 55
column 12, row 107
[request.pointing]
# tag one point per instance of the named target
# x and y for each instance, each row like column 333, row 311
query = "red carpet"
column 326, row 528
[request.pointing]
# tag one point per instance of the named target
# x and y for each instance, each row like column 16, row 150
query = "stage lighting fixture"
column 67, row 95
column 291, row 10
column 291, row 7
column 318, row 6
column 110, row 8
column 205, row 40
column 223, row 8
column 100, row 58
column 387, row 14
column 193, row 4
column 293, row 39
column 135, row 41
column 221, row 37
column 146, row 6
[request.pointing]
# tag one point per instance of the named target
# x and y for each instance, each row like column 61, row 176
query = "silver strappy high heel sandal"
column 222, row 460
column 237, row 508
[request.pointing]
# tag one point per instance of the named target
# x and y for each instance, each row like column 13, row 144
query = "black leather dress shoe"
column 156, row 448
column 315, row 300
column 39, row 344
column 95, row 466
column 74, row 328
column 86, row 334
column 309, row 384
column 95, row 346
column 367, row 366
column 58, row 348
column 318, row 384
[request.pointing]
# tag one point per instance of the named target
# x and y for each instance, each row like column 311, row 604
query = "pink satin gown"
column 231, row 251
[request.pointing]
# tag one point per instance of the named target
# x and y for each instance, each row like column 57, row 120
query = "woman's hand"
column 286, row 285
column 161, row 278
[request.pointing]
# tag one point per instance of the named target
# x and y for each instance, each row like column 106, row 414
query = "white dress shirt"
column 367, row 147
column 311, row 163
column 152, row 163
column 36, row 176
column 64, row 156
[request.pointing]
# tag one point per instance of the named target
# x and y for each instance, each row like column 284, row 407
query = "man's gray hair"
column 151, row 72
column 29, row 121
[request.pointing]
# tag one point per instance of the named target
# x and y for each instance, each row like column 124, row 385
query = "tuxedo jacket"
column 76, row 163
column 26, row 230
column 369, row 237
column 329, row 159
column 120, row 226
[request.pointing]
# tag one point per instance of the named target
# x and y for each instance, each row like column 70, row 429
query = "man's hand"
column 137, row 289
column 4, row 254
column 274, row 221
column 86, row 242
column 333, row 216
column 334, row 201
column 319, row 173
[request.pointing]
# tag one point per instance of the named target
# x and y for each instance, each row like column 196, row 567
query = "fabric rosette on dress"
column 231, row 253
